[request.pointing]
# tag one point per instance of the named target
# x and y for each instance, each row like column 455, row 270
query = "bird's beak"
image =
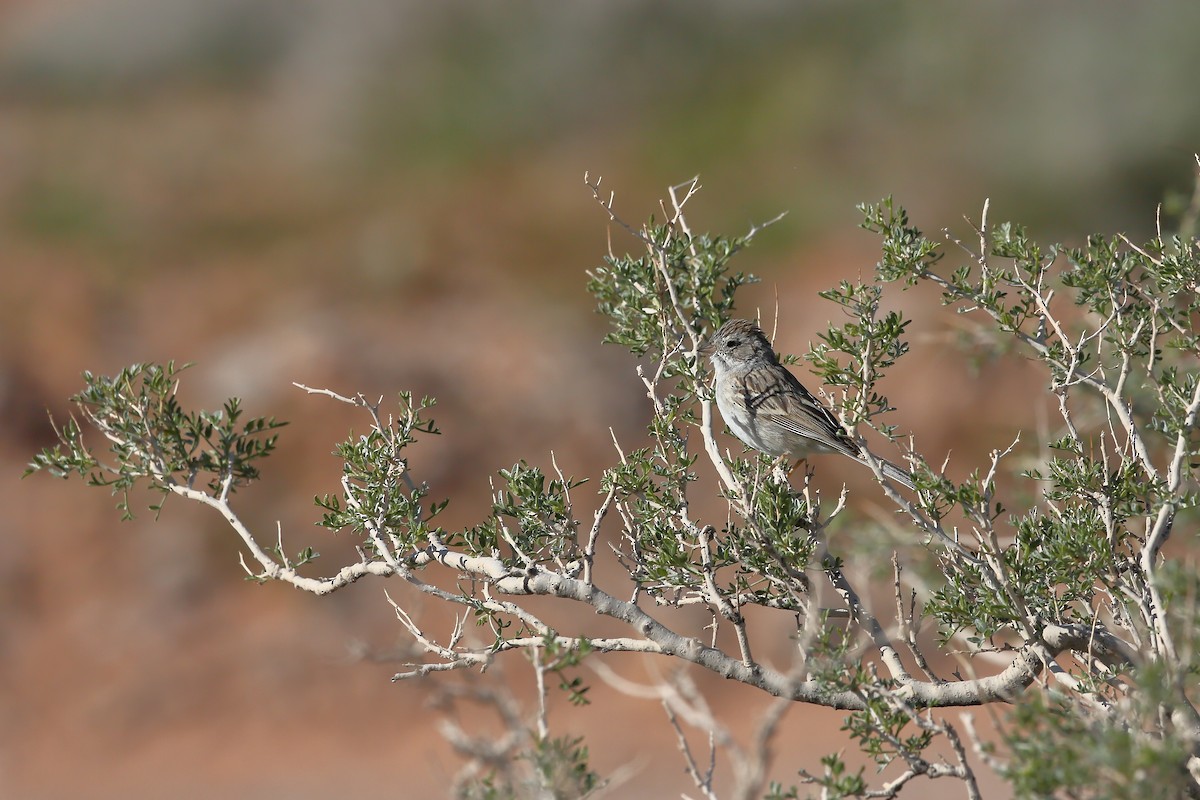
column 708, row 348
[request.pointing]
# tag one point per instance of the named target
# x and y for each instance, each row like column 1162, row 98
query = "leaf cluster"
column 1112, row 324
column 530, row 521
column 378, row 494
column 151, row 436
column 1055, row 750
column 773, row 550
column 558, row 658
column 681, row 287
column 556, row 767
column 855, row 355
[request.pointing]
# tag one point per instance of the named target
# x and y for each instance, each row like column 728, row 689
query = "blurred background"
column 374, row 196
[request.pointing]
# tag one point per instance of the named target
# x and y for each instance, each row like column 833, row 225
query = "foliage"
column 378, row 495
column 1070, row 593
column 1056, row 750
column 152, row 438
column 558, row 768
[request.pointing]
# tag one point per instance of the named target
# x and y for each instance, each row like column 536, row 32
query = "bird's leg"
column 784, row 474
column 796, row 466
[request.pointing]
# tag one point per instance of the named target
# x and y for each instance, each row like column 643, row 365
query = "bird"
column 767, row 407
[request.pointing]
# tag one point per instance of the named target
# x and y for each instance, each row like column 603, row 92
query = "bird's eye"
column 733, row 342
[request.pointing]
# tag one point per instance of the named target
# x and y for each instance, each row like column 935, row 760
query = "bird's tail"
column 892, row 472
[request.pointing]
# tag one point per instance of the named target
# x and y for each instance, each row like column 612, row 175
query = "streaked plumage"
column 767, row 407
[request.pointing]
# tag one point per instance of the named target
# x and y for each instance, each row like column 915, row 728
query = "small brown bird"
column 767, row 407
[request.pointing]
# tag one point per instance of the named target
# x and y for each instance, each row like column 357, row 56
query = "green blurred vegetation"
column 1062, row 113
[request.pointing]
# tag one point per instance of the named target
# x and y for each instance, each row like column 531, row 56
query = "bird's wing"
column 799, row 411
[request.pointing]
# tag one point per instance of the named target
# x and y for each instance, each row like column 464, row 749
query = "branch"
column 1004, row 686
column 273, row 570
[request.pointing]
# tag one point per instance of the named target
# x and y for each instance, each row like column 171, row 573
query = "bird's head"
column 739, row 343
